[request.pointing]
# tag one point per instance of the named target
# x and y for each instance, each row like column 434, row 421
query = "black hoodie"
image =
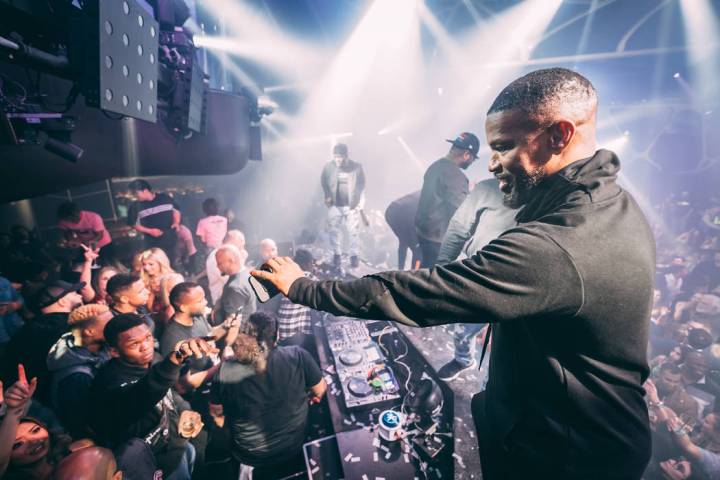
column 569, row 291
column 129, row 401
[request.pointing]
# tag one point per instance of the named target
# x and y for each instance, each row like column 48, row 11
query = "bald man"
column 90, row 463
column 567, row 292
column 216, row 280
column 237, row 298
column 268, row 249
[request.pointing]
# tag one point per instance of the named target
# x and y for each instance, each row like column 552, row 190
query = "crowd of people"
column 683, row 392
column 161, row 369
column 149, row 370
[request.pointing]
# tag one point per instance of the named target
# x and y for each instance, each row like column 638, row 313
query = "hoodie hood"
column 589, row 180
column 65, row 355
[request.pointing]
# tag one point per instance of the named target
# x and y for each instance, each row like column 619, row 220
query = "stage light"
column 375, row 74
column 251, row 35
column 677, row 75
column 499, row 62
column 421, row 166
column 66, row 150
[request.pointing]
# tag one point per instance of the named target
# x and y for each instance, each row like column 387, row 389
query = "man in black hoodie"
column 132, row 398
column 568, row 293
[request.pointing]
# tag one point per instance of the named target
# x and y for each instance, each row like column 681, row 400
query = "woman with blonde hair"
column 155, row 264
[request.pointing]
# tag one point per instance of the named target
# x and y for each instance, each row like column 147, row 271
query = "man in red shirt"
column 84, row 227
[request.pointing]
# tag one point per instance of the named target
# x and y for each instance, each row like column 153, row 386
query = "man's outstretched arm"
column 518, row 275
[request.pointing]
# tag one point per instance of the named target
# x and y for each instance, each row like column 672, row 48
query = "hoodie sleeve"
column 128, row 402
column 521, row 274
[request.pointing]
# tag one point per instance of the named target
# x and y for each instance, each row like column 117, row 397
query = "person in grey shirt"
column 482, row 217
column 237, row 297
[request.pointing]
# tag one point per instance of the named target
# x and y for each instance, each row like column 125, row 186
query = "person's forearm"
column 219, row 331
column 177, row 216
column 134, row 400
column 488, row 287
column 232, row 334
column 87, row 291
column 688, row 448
column 8, row 428
column 141, row 229
column 452, row 245
column 195, row 380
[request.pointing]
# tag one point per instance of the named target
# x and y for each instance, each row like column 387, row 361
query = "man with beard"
column 444, row 189
column 567, row 292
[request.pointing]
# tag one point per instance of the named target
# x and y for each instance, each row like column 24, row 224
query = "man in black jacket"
column 568, row 292
column 343, row 183
column 132, row 398
column 444, row 189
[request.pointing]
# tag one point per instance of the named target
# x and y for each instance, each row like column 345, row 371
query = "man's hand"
column 651, row 392
column 283, row 273
column 675, row 470
column 154, row 232
column 328, row 201
column 197, row 347
column 90, row 254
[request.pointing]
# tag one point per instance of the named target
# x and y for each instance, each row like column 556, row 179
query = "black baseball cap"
column 54, row 291
column 466, row 141
column 340, row 149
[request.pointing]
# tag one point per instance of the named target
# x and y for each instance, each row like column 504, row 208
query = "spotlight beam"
column 623, row 41
column 588, row 57
column 576, row 18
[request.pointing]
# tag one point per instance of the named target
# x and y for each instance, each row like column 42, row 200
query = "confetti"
column 375, row 457
column 348, row 457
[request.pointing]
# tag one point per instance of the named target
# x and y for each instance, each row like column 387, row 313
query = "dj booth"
column 391, row 416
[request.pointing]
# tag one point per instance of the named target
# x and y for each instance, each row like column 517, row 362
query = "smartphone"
column 263, row 289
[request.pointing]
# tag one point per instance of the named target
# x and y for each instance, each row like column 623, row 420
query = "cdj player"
column 365, row 377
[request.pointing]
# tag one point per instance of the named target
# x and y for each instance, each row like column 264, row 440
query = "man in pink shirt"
column 84, row 227
column 213, row 228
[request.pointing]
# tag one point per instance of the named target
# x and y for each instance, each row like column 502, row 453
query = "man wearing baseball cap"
column 31, row 344
column 444, row 189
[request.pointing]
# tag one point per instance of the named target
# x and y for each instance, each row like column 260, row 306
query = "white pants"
column 349, row 219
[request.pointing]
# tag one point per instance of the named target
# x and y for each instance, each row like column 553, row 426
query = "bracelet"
column 680, row 431
column 656, row 404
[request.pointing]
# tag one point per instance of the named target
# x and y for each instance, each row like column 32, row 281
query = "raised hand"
column 284, row 271
column 18, row 396
column 197, row 347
